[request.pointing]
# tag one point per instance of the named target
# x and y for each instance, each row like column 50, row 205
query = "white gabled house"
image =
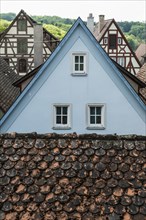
column 78, row 89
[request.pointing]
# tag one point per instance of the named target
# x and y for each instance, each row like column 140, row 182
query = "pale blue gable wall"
column 124, row 115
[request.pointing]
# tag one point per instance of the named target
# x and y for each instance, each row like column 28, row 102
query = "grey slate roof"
column 8, row 92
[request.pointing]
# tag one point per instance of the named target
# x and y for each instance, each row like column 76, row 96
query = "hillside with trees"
column 135, row 32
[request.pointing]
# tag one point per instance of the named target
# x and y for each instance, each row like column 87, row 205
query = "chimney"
column 90, row 22
column 38, row 45
column 100, row 23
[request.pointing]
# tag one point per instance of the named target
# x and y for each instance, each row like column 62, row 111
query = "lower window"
column 96, row 116
column 61, row 116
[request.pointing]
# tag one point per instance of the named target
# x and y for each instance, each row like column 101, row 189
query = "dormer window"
column 79, row 63
column 112, row 41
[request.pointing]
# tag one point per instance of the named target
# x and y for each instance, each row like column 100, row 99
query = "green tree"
column 8, row 16
column 3, row 24
column 133, row 42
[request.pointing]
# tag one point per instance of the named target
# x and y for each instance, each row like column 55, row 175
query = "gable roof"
column 33, row 82
column 32, row 22
column 8, row 92
column 107, row 24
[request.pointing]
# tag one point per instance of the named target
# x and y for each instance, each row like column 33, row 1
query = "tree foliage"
column 58, row 32
column 135, row 32
column 8, row 16
column 4, row 24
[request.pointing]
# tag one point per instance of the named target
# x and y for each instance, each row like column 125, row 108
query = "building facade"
column 25, row 44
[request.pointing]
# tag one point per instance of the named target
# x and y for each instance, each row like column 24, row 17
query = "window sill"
column 79, row 74
column 95, row 128
column 61, row 128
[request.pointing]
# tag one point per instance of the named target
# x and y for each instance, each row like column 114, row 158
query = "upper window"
column 22, row 66
column 79, row 63
column 112, row 41
column 61, row 116
column 22, row 45
column 96, row 116
column 22, row 25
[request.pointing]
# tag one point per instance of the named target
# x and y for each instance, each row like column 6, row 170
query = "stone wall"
column 72, row 177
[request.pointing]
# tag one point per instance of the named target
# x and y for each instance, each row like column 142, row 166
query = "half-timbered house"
column 78, row 89
column 25, row 44
column 112, row 39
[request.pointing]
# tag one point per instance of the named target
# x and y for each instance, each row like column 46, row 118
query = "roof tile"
column 40, row 181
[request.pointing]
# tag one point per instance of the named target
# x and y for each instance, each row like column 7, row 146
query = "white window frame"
column 79, row 72
column 62, row 126
column 96, row 126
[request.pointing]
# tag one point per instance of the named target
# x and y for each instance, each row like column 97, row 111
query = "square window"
column 61, row 116
column 79, row 66
column 96, row 116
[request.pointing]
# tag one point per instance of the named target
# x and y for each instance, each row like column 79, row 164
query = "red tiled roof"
column 62, row 177
column 140, row 51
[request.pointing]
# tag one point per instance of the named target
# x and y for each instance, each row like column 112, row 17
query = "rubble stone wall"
column 70, row 176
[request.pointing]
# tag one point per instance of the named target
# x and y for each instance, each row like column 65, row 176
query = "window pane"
column 64, row 110
column 58, row 120
column 112, row 41
column 98, row 110
column 98, row 119
column 22, row 65
column 81, row 59
column 22, row 45
column 58, row 110
column 64, row 120
column 22, row 25
column 92, row 110
column 81, row 67
column 92, row 119
column 76, row 59
column 76, row 67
